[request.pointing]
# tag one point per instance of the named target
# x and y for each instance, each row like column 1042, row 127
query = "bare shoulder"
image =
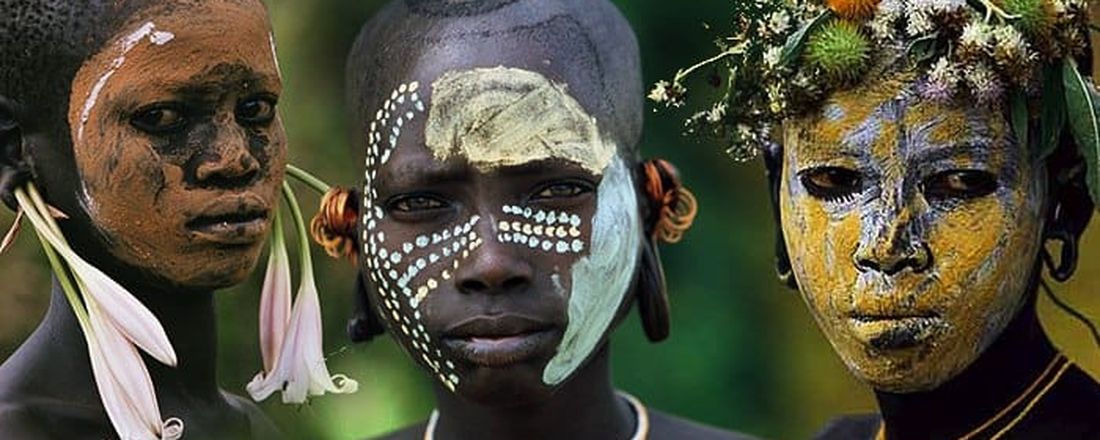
column 262, row 426
column 664, row 426
column 414, row 432
column 50, row 419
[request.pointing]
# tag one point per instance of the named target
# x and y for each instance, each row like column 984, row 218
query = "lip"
column 500, row 340
column 895, row 332
column 234, row 220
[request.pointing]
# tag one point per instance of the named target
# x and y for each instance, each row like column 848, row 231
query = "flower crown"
column 786, row 56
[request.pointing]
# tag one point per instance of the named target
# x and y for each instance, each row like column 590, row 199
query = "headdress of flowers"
column 786, row 56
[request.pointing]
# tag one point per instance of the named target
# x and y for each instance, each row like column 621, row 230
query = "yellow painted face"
column 913, row 228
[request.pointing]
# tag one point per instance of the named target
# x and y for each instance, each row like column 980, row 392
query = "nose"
column 227, row 162
column 494, row 267
column 893, row 244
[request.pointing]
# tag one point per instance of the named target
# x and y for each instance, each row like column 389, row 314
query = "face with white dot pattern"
column 500, row 230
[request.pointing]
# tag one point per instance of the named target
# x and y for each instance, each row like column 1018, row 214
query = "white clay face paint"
column 406, row 273
column 504, row 117
column 274, row 55
column 147, row 30
column 602, row 278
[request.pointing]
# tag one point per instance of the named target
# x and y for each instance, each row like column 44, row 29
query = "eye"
column 959, row 184
column 415, row 203
column 831, row 183
column 562, row 190
column 160, row 119
column 256, row 111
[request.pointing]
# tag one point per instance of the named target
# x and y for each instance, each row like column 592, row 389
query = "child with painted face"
column 151, row 126
column 504, row 228
column 916, row 183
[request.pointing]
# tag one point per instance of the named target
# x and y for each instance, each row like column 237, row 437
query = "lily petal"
column 275, row 299
column 9, row 238
column 123, row 380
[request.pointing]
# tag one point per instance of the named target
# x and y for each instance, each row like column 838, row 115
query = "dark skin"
column 211, row 135
column 502, row 395
column 1008, row 367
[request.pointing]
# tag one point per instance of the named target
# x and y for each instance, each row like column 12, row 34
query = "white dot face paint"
column 564, row 231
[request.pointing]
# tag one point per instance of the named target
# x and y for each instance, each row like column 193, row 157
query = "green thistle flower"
column 1034, row 17
column 839, row 49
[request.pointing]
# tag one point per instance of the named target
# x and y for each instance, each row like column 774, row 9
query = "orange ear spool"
column 676, row 205
column 334, row 226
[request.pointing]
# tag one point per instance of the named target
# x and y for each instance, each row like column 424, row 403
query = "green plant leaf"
column 1084, row 122
column 1020, row 119
column 1052, row 116
column 797, row 41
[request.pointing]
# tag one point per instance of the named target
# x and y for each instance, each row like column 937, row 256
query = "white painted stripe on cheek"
column 602, row 278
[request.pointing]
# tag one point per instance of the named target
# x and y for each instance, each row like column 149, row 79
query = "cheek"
column 120, row 172
column 557, row 237
column 820, row 242
column 984, row 251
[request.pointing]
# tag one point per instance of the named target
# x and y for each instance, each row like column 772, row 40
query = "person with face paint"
column 152, row 127
column 927, row 154
column 505, row 223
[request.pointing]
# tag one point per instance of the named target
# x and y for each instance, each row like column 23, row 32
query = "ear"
column 773, row 164
column 14, row 167
column 364, row 324
column 1070, row 210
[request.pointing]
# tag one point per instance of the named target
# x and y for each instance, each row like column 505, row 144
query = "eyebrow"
column 414, row 173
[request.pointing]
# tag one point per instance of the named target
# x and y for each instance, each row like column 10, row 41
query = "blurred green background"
column 744, row 354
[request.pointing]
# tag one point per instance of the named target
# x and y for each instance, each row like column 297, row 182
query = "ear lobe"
column 652, row 296
column 14, row 169
column 1069, row 215
column 364, row 324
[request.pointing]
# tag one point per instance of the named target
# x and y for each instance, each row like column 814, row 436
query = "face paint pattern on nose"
column 551, row 231
column 408, row 272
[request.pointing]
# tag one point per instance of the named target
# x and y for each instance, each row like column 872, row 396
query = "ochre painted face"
column 500, row 230
column 913, row 228
column 178, row 145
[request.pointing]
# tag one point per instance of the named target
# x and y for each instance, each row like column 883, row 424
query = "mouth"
column 233, row 220
column 895, row 332
column 497, row 341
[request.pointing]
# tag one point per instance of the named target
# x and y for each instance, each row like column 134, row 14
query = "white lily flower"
column 299, row 370
column 275, row 298
column 113, row 322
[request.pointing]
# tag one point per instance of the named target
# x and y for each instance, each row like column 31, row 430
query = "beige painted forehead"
column 505, row 117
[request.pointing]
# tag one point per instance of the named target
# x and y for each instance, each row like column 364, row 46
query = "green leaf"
column 797, row 41
column 1083, row 121
column 1020, row 119
column 923, row 49
column 1052, row 116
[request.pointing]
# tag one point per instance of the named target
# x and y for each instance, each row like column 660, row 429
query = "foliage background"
column 743, row 354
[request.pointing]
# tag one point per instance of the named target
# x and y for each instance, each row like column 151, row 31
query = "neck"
column 1001, row 374
column 189, row 321
column 585, row 407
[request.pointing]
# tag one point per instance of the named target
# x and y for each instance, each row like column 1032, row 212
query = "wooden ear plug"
column 334, row 225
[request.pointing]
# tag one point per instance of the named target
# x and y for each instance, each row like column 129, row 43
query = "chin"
column 223, row 271
column 512, row 386
column 912, row 370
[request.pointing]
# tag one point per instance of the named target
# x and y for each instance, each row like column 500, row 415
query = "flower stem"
column 307, row 178
column 59, row 268
column 683, row 73
column 300, row 227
